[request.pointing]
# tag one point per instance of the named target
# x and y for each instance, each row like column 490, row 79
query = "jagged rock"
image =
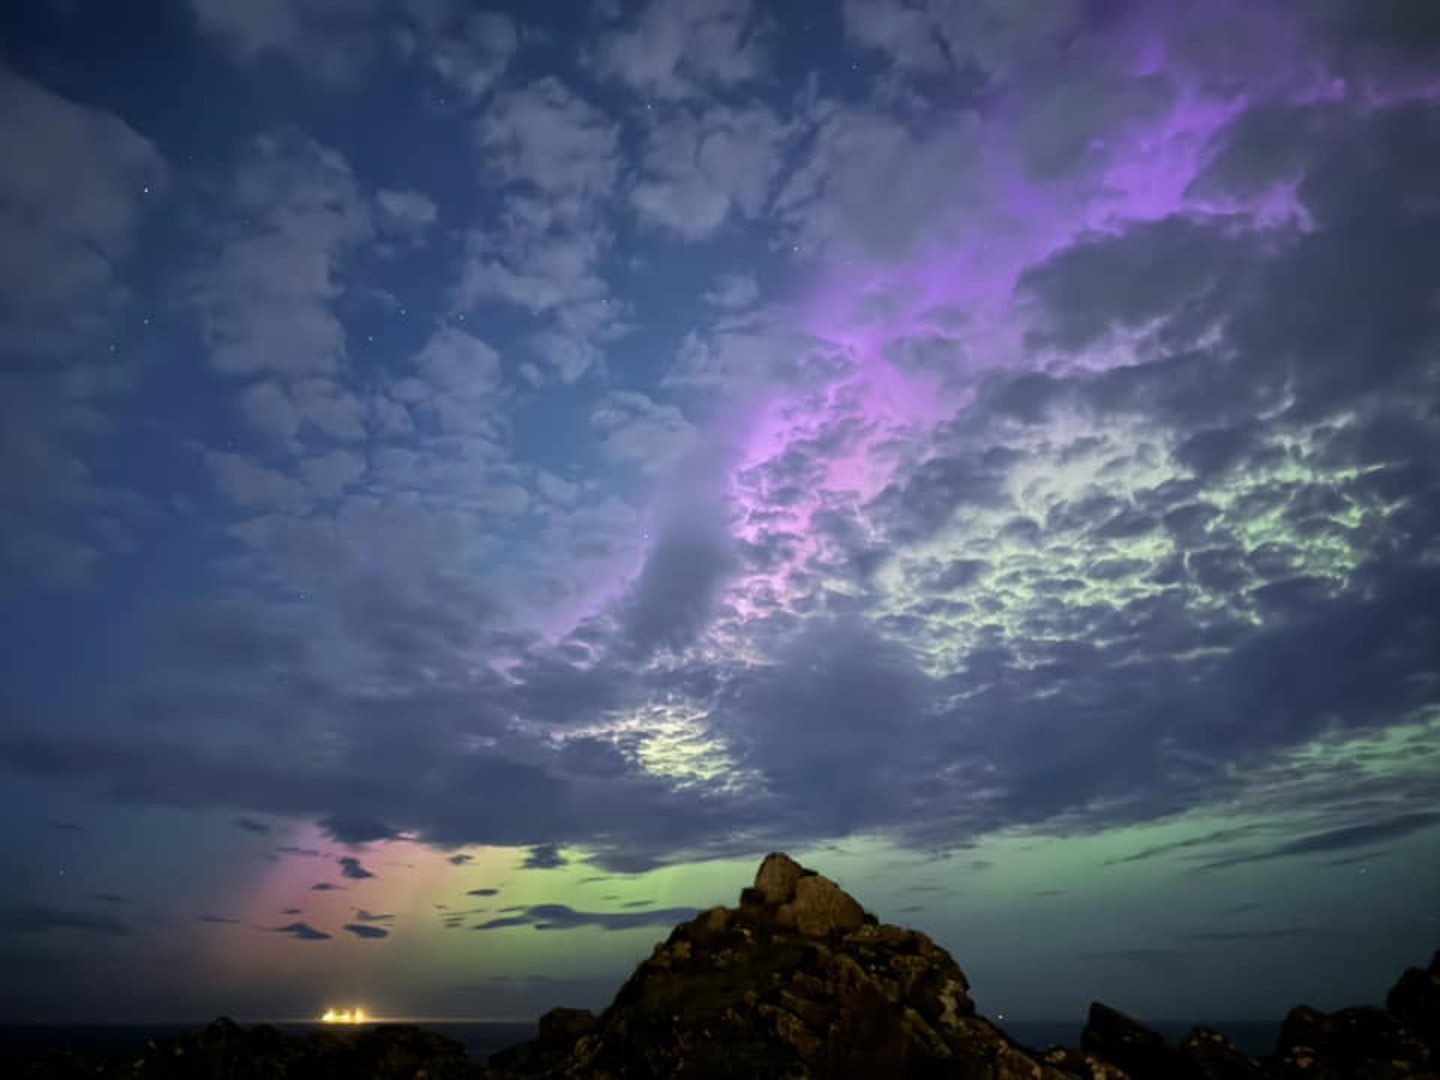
column 797, row 981
column 820, row 907
column 1358, row 1041
column 1077, row 1063
column 1208, row 1055
column 1415, row 1001
column 777, row 877
column 1124, row 1041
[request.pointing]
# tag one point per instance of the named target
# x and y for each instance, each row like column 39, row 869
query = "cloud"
column 301, row 932
column 702, row 169
column 1337, row 839
column 249, row 824
column 360, row 930
column 1277, row 934
column 264, row 296
column 291, row 911
column 74, row 187
column 111, row 898
column 220, row 919
column 1217, row 836
column 326, row 886
column 42, row 919
column 473, row 56
column 333, row 44
column 545, row 138
column 354, row 830
column 544, row 857
column 677, row 48
column 291, row 849
column 635, row 429
column 252, row 486
column 350, row 867
column 561, row 917
column 483, row 892
column 460, row 859
column 365, row 916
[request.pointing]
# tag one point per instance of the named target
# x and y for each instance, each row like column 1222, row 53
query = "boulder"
column 1208, row 1055
column 1358, row 1041
column 1415, row 1002
column 777, row 877
column 820, row 907
column 1129, row 1044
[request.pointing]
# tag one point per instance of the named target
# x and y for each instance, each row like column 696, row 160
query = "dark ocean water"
column 481, row 1039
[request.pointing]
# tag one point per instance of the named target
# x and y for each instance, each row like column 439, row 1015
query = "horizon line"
column 372, row 1020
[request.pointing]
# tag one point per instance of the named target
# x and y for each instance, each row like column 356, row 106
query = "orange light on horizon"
column 343, row 1016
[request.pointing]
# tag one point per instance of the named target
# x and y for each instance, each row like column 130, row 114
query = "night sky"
column 474, row 478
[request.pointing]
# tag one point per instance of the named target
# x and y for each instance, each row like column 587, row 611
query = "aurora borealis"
column 476, row 477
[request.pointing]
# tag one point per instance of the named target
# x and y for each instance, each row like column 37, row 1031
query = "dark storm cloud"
column 360, row 930
column 250, row 825
column 543, row 857
column 301, row 932
column 1168, row 269
column 1340, row 839
column 350, row 867
column 562, row 917
column 40, row 919
column 672, row 599
column 839, row 702
column 353, row 830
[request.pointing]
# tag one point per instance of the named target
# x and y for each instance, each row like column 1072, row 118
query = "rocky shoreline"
column 799, row 981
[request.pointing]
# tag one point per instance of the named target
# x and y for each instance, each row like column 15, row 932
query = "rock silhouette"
column 799, row 981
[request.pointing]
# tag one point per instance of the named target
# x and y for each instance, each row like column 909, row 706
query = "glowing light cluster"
column 343, row 1016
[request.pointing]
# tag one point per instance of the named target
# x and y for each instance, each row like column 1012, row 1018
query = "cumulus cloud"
column 700, row 169
column 264, row 296
column 678, row 48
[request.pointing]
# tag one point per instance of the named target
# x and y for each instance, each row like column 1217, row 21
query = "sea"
column 481, row 1038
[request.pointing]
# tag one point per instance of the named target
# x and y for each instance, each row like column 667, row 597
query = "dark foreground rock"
column 226, row 1051
column 799, row 981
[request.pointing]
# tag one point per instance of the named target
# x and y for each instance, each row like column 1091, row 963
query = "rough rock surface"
column 797, row 982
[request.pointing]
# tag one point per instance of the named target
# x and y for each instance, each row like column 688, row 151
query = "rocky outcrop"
column 800, row 982
column 797, row 981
